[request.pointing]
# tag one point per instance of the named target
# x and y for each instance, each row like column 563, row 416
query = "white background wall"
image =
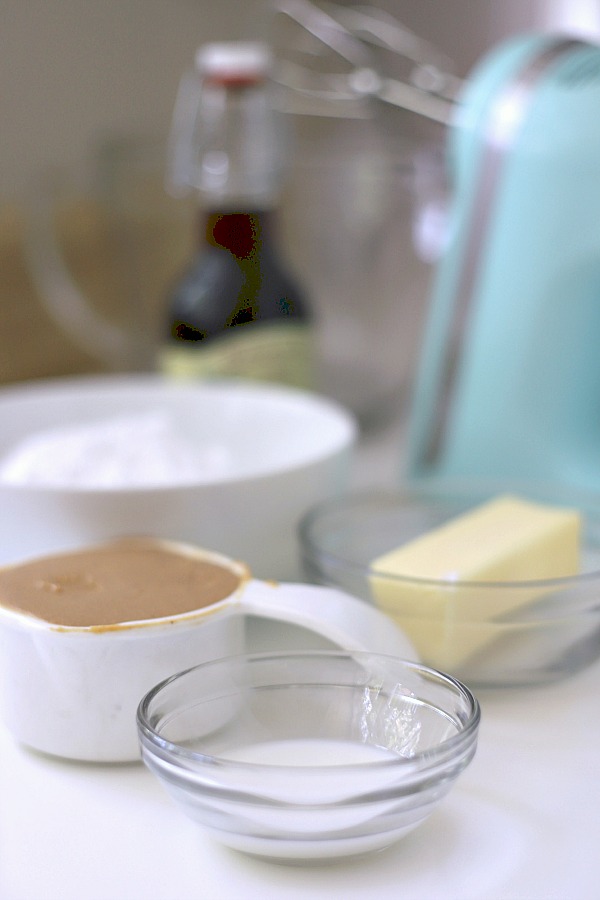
column 73, row 70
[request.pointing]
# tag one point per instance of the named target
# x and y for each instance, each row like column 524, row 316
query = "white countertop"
column 522, row 823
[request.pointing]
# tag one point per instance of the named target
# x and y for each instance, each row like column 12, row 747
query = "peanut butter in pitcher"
column 127, row 580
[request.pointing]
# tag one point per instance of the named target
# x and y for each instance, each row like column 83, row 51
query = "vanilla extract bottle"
column 236, row 310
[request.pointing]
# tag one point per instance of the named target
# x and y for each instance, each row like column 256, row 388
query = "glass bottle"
column 236, row 310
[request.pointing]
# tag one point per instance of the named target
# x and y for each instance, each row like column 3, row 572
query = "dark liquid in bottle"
column 235, row 280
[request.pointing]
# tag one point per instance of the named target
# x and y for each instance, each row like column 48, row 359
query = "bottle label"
column 267, row 351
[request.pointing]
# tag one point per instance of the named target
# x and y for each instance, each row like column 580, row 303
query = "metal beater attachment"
column 332, row 61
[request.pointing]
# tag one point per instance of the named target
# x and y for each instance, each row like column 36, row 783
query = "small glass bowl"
column 308, row 755
column 488, row 634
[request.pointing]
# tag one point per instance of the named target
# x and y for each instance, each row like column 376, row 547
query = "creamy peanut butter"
column 128, row 580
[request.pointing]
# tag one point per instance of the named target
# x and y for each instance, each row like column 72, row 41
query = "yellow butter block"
column 505, row 540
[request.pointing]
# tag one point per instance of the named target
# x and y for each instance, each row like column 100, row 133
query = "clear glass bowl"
column 488, row 634
column 308, row 755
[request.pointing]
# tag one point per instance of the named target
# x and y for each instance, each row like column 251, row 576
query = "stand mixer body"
column 509, row 377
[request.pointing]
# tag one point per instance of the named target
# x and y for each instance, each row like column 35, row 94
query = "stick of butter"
column 507, row 539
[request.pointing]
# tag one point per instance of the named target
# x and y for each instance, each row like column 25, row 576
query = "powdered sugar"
column 145, row 449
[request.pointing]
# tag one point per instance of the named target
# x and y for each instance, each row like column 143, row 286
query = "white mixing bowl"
column 228, row 465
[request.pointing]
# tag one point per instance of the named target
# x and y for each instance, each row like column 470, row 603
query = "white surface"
column 522, row 823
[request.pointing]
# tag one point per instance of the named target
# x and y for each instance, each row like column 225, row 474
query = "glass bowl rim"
column 452, row 747
column 315, row 554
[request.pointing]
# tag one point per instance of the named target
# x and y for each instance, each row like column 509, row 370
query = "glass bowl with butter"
column 496, row 584
column 308, row 756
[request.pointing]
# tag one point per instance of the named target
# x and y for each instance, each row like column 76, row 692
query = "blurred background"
column 88, row 94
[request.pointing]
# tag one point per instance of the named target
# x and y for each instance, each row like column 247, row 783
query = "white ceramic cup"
column 73, row 691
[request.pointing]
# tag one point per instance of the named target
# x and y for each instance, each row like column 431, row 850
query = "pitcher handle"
column 58, row 291
column 336, row 616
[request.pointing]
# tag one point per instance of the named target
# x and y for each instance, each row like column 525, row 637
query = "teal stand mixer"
column 509, row 378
